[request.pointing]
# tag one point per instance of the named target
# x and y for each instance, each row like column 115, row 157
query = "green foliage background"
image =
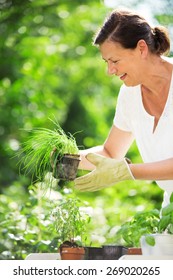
column 50, row 69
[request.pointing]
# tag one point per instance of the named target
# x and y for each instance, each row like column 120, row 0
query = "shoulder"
column 168, row 59
column 129, row 98
column 129, row 92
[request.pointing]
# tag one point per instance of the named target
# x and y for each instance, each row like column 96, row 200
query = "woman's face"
column 124, row 63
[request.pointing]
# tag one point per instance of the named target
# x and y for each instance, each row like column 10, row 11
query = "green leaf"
column 150, row 240
column 167, row 210
column 170, row 229
column 164, row 222
column 171, row 197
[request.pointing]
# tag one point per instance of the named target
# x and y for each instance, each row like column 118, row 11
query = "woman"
column 133, row 52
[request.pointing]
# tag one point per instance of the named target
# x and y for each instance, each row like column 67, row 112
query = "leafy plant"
column 70, row 221
column 24, row 223
column 146, row 223
column 36, row 152
column 142, row 223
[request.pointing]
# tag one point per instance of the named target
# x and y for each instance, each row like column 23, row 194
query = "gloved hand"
column 108, row 171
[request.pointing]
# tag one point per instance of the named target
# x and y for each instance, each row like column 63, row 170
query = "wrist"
column 128, row 164
column 142, row 171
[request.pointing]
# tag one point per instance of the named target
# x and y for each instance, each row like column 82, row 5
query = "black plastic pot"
column 113, row 252
column 94, row 253
column 107, row 252
column 66, row 167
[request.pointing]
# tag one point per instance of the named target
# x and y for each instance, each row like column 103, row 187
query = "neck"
column 158, row 77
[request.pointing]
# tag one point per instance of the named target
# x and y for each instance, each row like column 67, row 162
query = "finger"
column 81, row 185
column 86, row 188
column 94, row 158
column 86, row 179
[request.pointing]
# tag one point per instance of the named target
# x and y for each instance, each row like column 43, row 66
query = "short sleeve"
column 121, row 118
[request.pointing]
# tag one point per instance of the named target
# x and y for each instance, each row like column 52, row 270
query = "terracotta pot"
column 134, row 251
column 72, row 253
column 66, row 167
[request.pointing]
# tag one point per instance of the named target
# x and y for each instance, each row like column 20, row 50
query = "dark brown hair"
column 127, row 28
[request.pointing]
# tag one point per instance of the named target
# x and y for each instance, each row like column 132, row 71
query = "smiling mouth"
column 122, row 77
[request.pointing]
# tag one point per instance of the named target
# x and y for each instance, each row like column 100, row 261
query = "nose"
column 111, row 68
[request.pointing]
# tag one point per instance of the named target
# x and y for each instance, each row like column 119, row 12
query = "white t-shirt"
column 131, row 116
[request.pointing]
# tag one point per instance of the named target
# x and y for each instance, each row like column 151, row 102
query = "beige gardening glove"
column 108, row 172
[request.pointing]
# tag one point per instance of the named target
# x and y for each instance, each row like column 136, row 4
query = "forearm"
column 115, row 146
column 160, row 170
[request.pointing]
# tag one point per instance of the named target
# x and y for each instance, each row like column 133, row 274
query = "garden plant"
column 146, row 224
column 44, row 149
column 71, row 224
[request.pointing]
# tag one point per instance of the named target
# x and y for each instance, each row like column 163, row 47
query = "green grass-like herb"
column 35, row 152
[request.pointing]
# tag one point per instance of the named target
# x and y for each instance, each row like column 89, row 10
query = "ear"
column 143, row 48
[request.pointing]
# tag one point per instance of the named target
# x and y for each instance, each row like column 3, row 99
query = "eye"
column 114, row 61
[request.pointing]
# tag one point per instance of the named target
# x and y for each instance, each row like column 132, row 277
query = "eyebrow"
column 107, row 59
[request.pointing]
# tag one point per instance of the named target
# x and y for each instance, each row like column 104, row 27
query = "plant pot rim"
column 79, row 250
column 72, row 253
column 76, row 156
column 158, row 234
column 158, row 237
column 68, row 154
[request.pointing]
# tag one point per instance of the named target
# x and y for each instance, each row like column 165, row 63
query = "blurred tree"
column 47, row 71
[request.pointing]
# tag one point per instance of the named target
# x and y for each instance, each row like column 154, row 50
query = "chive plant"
column 43, row 146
